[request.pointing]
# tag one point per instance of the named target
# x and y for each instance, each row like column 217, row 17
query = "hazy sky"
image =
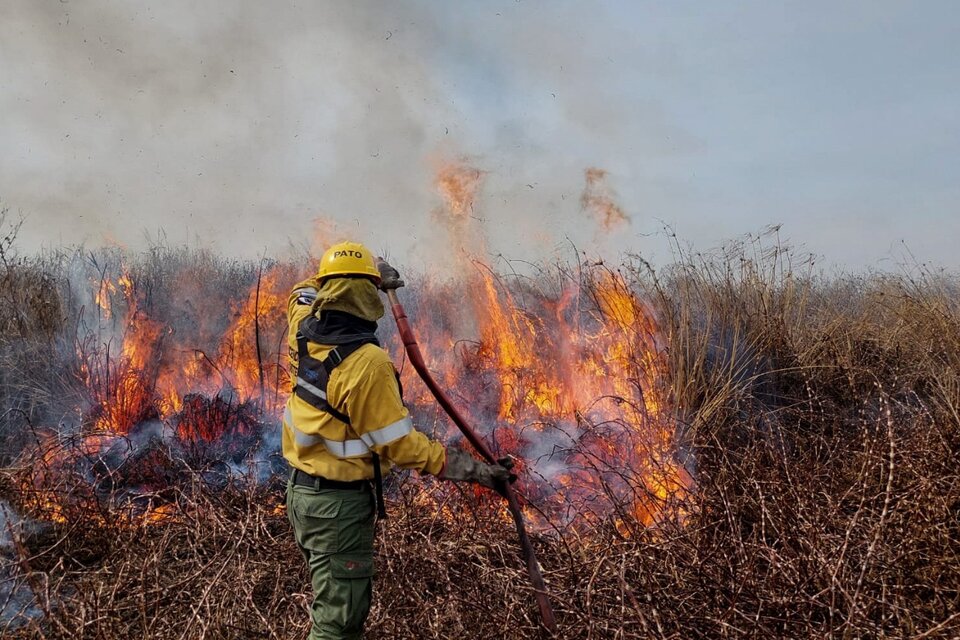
column 238, row 123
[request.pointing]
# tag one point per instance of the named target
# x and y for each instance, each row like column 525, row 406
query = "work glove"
column 463, row 467
column 389, row 277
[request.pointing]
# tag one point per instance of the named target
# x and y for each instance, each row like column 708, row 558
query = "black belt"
column 303, row 479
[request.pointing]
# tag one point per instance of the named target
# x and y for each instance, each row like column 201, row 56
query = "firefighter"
column 343, row 427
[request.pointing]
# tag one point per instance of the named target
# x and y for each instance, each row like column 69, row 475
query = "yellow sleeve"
column 300, row 303
column 299, row 306
column 378, row 417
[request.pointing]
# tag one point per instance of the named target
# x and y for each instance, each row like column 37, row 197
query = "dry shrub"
column 29, row 304
column 821, row 419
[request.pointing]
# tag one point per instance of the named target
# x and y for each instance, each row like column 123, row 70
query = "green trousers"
column 334, row 530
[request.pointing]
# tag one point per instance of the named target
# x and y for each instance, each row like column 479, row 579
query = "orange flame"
column 105, row 290
column 582, row 368
column 597, row 200
column 146, row 381
column 570, row 378
column 459, row 185
column 587, row 360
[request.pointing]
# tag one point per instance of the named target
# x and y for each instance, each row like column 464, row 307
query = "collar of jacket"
column 338, row 327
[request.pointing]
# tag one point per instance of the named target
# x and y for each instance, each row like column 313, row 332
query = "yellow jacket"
column 364, row 387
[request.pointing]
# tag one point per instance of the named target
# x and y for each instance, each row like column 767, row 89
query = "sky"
column 247, row 126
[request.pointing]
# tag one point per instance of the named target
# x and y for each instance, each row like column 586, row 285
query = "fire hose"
column 390, row 286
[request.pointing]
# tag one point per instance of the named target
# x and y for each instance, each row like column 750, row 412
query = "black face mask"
column 338, row 327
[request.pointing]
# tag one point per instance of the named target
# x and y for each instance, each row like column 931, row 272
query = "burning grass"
column 733, row 447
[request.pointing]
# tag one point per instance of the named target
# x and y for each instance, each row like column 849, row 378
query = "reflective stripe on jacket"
column 364, row 387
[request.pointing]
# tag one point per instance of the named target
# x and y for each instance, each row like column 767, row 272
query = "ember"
column 216, row 428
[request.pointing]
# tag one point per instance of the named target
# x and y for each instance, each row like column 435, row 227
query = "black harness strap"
column 378, row 486
column 316, row 373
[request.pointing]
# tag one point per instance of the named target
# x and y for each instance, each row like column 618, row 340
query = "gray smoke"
column 236, row 125
column 18, row 603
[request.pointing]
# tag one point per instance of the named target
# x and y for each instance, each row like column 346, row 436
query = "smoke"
column 238, row 125
column 19, row 603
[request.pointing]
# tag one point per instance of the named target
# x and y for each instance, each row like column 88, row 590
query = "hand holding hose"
column 460, row 466
column 389, row 276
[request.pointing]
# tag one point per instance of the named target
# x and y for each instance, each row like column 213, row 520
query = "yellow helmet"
column 348, row 259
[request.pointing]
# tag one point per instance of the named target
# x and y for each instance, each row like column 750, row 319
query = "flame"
column 597, row 200
column 162, row 513
column 584, row 368
column 573, row 380
column 211, row 404
column 568, row 377
column 459, row 185
column 102, row 297
column 242, row 354
column 146, row 381
column 121, row 385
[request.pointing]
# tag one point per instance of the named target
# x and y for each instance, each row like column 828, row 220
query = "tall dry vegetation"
column 819, row 415
column 823, row 417
column 31, row 316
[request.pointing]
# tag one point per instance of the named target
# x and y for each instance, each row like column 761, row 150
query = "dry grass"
column 821, row 418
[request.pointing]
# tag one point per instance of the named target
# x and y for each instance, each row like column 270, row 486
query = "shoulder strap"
column 340, row 353
column 302, row 351
column 313, row 374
